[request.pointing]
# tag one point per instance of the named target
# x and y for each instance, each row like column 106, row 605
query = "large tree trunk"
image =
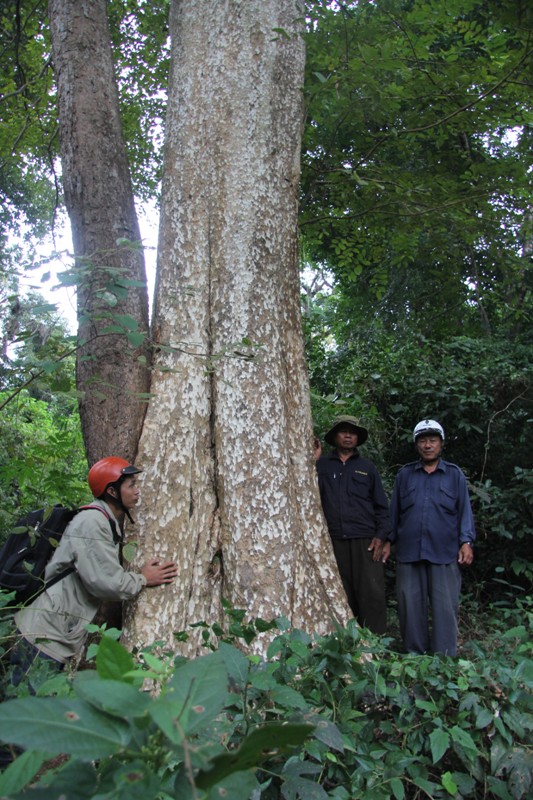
column 230, row 490
column 112, row 369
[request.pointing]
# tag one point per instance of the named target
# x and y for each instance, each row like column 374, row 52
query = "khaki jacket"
column 55, row 621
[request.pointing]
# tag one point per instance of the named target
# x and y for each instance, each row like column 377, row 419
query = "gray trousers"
column 422, row 589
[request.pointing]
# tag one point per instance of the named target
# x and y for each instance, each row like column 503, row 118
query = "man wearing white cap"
column 433, row 531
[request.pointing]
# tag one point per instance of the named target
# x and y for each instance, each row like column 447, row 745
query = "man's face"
column 129, row 492
column 346, row 437
column 429, row 447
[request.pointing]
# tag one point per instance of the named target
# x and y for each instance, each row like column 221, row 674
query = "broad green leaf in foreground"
column 71, row 726
column 193, row 697
column 73, row 781
column 114, row 697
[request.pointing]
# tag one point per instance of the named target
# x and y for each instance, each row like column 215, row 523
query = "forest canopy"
column 415, row 221
column 414, row 247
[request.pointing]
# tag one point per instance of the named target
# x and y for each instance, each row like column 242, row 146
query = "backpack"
column 31, row 544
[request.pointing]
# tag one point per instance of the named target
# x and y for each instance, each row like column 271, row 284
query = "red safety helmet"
column 108, row 470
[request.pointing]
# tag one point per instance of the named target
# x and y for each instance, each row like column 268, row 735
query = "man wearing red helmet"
column 54, row 625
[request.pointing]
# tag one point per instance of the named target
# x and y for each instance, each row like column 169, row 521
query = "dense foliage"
column 42, row 458
column 30, row 181
column 342, row 716
column 28, row 130
column 416, row 221
column 416, row 248
column 417, row 162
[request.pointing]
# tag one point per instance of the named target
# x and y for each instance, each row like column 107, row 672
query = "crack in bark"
column 191, row 502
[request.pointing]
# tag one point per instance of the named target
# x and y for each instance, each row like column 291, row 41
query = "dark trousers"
column 22, row 657
column 364, row 582
column 422, row 587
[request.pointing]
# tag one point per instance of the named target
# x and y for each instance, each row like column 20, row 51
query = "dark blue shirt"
column 431, row 513
column 354, row 502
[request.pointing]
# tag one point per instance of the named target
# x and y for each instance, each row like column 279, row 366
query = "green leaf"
column 126, row 321
column 282, row 32
column 449, row 784
column 44, row 308
column 116, row 698
column 499, row 788
column 193, row 697
column 464, row 739
column 113, row 661
column 136, row 338
column 237, row 664
column 516, row 764
column 129, row 550
column 517, row 632
column 295, row 785
column 439, row 741
column 262, row 743
column 73, row 781
column 397, row 788
column 129, row 283
column 235, row 787
column 263, row 625
column 156, row 665
column 20, row 772
column 72, row 726
column 131, row 244
column 428, row 786
column 484, row 718
column 516, row 722
column 426, row 705
column 328, row 733
column 264, row 681
column 466, row 784
column 288, row 697
column 136, row 780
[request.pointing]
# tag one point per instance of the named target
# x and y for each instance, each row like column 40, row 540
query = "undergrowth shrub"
column 338, row 716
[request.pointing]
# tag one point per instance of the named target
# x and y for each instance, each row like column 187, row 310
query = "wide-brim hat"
column 362, row 433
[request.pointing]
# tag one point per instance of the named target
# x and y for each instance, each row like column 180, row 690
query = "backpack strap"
column 117, row 539
column 57, row 578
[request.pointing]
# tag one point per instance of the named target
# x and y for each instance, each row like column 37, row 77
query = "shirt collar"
column 441, row 465
column 334, row 454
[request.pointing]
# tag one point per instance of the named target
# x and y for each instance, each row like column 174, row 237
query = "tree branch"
column 491, row 420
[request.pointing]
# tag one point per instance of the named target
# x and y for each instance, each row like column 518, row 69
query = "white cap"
column 428, row 426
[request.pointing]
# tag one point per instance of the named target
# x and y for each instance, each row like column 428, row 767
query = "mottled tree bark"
column 112, row 370
column 229, row 490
